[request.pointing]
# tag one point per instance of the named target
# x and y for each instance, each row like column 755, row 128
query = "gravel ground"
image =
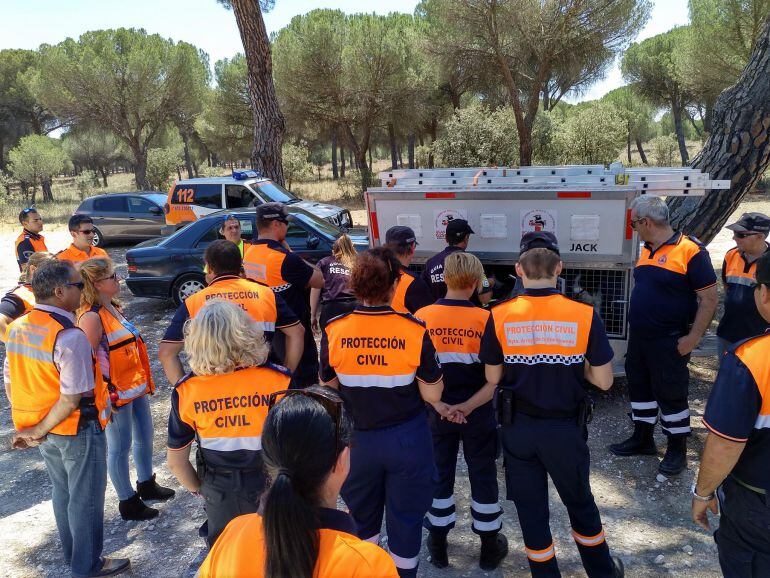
column 647, row 523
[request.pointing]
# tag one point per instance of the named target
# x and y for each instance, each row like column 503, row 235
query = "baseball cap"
column 751, row 223
column 539, row 240
column 458, row 228
column 400, row 235
column 273, row 212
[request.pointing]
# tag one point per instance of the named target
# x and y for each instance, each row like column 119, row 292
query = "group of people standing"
column 410, row 367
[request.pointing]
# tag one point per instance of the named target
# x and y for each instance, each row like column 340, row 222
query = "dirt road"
column 646, row 523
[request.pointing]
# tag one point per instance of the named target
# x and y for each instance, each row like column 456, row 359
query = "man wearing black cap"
column 458, row 233
column 734, row 470
column 539, row 348
column 288, row 275
column 411, row 292
column 741, row 318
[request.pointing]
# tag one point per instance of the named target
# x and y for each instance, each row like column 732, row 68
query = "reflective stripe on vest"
column 130, row 371
column 256, row 299
column 263, row 264
column 253, row 443
column 35, row 380
column 735, row 270
column 455, row 331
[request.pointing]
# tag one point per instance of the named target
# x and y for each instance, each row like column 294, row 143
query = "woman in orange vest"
column 222, row 405
column 299, row 532
column 20, row 299
column 123, row 360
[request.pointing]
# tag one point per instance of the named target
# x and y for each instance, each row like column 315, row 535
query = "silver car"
column 125, row 216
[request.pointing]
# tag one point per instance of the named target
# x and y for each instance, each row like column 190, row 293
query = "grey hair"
column 49, row 275
column 652, row 208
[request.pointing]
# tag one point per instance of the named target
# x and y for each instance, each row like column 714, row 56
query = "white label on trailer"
column 584, row 227
column 442, row 218
column 494, row 227
column 538, row 220
column 412, row 221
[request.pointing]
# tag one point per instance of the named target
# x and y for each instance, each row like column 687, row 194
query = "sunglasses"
column 634, row 222
column 744, row 235
column 113, row 277
column 87, row 232
column 78, row 284
column 331, row 403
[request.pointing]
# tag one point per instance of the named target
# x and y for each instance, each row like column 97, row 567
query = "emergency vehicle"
column 586, row 207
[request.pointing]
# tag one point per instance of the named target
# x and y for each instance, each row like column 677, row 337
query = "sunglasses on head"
column 331, row 403
column 28, row 210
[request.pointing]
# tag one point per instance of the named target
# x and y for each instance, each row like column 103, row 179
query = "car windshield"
column 275, row 193
column 316, row 223
column 157, row 198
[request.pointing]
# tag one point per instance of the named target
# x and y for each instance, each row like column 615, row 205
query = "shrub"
column 664, row 150
column 161, row 164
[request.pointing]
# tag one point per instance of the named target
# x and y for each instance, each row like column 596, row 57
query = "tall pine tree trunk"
column 269, row 123
column 342, row 161
column 187, row 160
column 738, row 147
column 393, row 147
column 640, row 148
column 335, row 170
column 410, row 149
column 676, row 111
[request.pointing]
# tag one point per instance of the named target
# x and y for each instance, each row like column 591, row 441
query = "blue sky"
column 205, row 23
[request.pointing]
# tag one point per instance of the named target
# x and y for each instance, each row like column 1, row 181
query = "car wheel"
column 98, row 240
column 186, row 285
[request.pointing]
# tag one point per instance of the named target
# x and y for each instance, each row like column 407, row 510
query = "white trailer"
column 586, row 207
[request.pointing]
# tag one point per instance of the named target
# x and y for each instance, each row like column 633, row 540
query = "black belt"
column 534, row 411
column 756, row 490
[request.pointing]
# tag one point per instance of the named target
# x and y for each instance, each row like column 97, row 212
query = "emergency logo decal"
column 662, row 259
column 442, row 218
column 538, row 220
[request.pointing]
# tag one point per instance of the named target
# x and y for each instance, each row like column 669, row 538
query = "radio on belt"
column 586, row 207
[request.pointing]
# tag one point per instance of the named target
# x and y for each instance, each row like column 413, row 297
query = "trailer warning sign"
column 538, row 220
column 442, row 218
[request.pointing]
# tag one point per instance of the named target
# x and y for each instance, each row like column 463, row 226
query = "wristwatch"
column 706, row 499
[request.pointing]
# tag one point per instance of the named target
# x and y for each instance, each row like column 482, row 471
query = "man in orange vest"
column 29, row 240
column 411, row 291
column 265, row 308
column 60, row 403
column 741, row 319
column 82, row 230
column 540, row 347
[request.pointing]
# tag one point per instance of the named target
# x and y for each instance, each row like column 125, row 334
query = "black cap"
column 273, row 212
column 400, row 235
column 751, row 223
column 763, row 269
column 539, row 240
column 458, row 228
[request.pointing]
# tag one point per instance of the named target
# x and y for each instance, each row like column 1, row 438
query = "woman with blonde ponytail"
column 335, row 298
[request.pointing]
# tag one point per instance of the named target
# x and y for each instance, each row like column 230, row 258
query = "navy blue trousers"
column 535, row 448
column 743, row 537
column 479, row 440
column 391, row 473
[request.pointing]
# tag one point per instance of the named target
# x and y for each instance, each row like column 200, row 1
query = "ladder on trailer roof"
column 668, row 181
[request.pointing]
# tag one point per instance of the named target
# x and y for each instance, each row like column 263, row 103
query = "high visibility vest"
column 30, row 342
column 37, row 242
column 130, row 371
column 75, row 255
column 455, row 331
column 240, row 551
column 551, row 329
column 254, row 298
column 24, row 292
column 398, row 304
column 228, row 411
column 736, row 271
column 755, row 355
column 263, row 263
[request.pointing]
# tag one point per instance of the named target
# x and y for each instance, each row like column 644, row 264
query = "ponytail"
column 300, row 448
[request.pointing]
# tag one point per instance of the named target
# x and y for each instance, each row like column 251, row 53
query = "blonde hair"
column 93, row 270
column 462, row 270
column 34, row 261
column 221, row 338
column 344, row 251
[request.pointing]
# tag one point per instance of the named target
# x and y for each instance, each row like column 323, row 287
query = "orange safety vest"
column 227, row 411
column 263, row 263
column 398, row 304
column 735, row 270
column 254, row 298
column 24, row 292
column 130, row 372
column 455, row 331
column 75, row 255
column 551, row 329
column 37, row 241
column 240, row 551
column 30, row 343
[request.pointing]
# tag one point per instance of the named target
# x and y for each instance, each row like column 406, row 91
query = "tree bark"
column 47, row 192
column 103, row 172
column 342, row 161
column 676, row 111
column 187, row 161
column 393, row 147
column 410, row 149
column 371, row 162
column 737, row 149
column 140, row 168
column 269, row 124
column 432, row 130
column 628, row 147
column 640, row 148
column 335, row 170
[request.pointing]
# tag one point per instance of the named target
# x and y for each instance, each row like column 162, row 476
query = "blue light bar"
column 247, row 174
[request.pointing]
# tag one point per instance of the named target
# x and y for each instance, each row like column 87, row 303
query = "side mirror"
column 313, row 242
column 156, row 210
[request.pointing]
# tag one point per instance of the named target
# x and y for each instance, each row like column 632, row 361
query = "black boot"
column 437, row 547
column 135, row 509
column 675, row 459
column 494, row 547
column 150, row 490
column 641, row 442
column 617, row 565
